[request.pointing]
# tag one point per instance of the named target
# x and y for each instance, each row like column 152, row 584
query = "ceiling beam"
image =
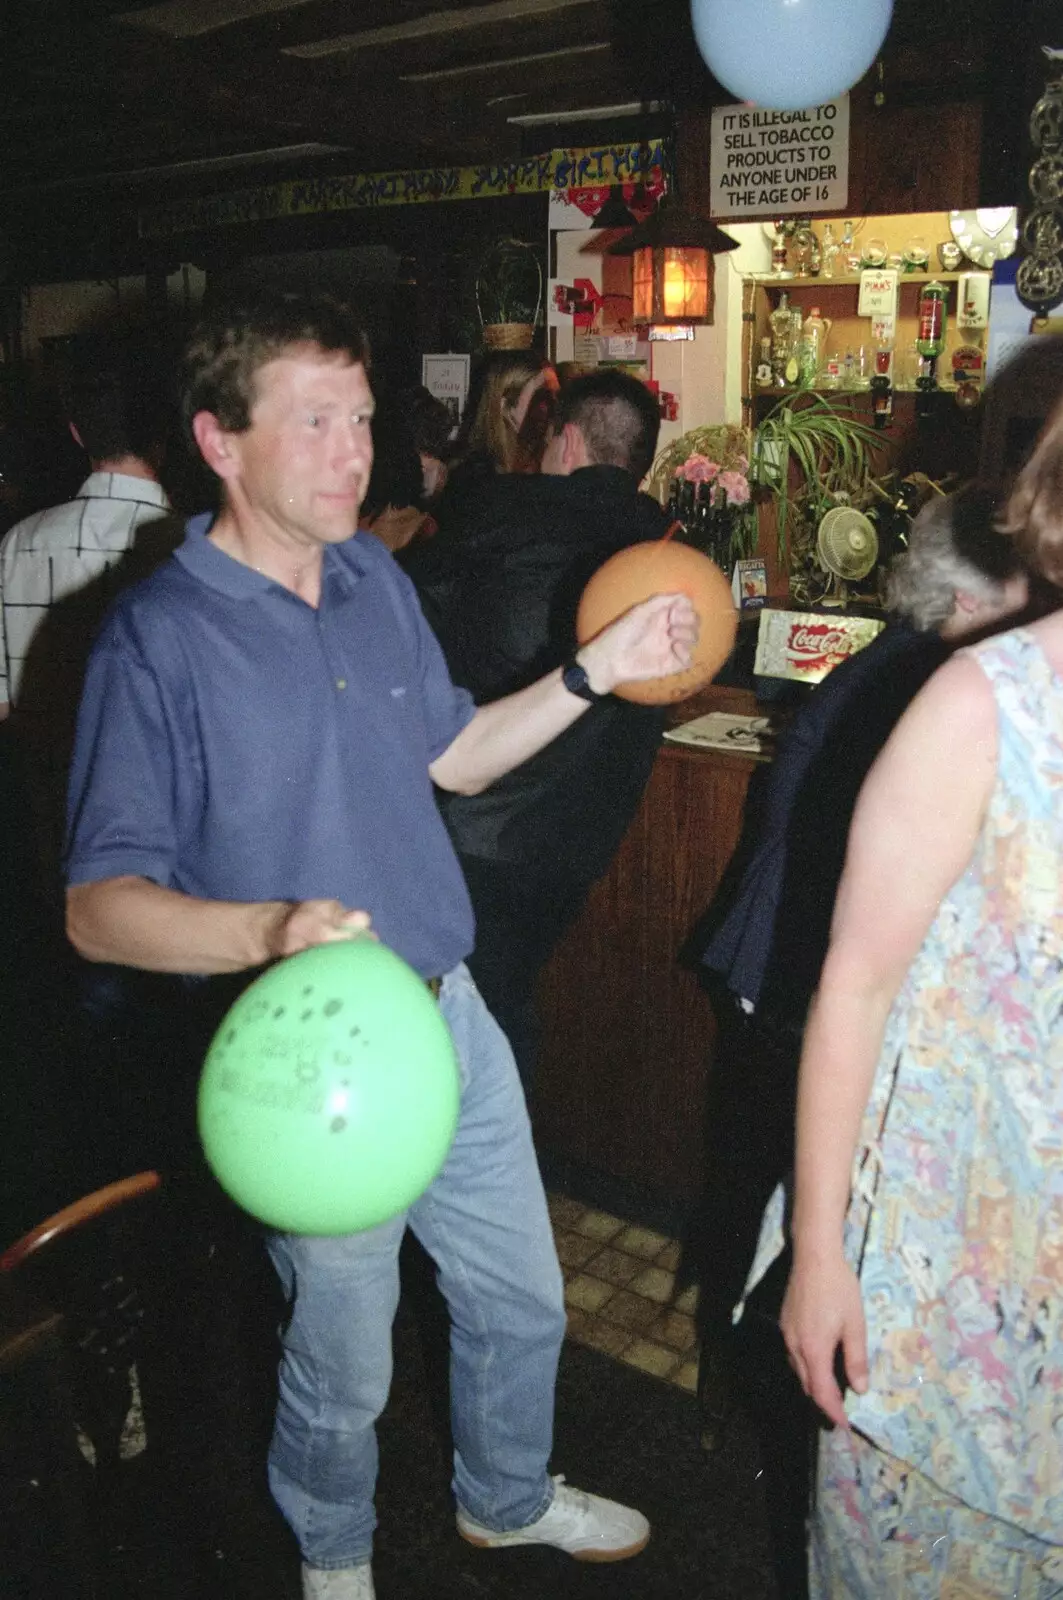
column 186, row 19
column 433, row 23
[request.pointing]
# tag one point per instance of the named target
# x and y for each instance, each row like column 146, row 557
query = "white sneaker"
column 582, row 1525
column 343, row 1583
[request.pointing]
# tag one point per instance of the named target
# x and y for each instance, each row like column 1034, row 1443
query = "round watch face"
column 986, row 236
column 575, row 681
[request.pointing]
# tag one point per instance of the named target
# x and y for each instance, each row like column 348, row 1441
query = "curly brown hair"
column 1033, row 515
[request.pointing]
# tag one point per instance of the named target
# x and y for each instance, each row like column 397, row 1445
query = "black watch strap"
column 576, row 681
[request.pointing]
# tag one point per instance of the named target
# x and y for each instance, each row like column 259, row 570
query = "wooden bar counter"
column 627, row 1030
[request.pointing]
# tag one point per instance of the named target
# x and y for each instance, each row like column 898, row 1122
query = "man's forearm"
column 653, row 639
column 506, row 732
column 135, row 923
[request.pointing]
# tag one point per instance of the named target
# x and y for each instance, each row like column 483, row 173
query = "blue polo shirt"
column 236, row 744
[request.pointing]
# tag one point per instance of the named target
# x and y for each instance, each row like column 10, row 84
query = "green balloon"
column 329, row 1095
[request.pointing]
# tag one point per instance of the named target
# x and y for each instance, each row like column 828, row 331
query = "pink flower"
column 698, row 469
column 735, row 488
column 743, row 464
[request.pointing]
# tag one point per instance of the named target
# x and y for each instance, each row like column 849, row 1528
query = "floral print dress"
column 955, row 1225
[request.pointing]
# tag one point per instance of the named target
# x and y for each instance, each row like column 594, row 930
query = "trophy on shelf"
column 805, row 249
column 778, row 232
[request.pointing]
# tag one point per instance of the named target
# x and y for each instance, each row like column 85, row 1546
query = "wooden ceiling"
column 167, row 95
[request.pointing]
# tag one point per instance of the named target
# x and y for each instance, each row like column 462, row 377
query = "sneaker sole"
column 577, row 1555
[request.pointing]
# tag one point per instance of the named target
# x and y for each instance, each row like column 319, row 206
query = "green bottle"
column 931, row 316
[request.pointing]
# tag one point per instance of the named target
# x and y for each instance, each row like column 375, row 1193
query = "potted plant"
column 509, row 294
column 808, row 456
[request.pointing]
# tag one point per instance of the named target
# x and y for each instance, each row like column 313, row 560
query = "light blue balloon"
column 787, row 55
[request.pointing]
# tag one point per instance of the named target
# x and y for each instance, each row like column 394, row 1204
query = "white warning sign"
column 772, row 163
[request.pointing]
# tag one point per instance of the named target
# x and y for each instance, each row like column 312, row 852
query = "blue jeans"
column 485, row 1224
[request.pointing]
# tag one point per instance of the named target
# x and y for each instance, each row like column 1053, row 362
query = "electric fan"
column 847, row 547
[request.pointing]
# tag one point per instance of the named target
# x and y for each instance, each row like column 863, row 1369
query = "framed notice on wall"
column 777, row 163
column 447, row 377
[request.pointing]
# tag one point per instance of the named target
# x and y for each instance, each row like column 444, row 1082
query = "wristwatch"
column 576, row 681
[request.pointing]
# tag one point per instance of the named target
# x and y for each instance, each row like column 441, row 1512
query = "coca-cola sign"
column 818, row 645
column 807, row 645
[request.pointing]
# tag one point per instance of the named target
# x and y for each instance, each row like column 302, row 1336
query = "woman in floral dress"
column 928, row 1203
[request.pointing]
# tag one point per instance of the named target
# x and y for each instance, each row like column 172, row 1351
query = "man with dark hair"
column 60, row 569
column 502, row 600
column 433, row 425
column 394, row 506
column 262, row 723
column 117, row 413
column 617, row 417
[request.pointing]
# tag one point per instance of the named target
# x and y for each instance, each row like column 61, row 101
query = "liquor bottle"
column 882, row 378
column 931, row 319
column 781, row 324
column 813, row 340
column 846, row 248
column 688, row 507
column 829, row 251
column 792, row 370
column 702, row 531
column 930, row 342
column 764, row 377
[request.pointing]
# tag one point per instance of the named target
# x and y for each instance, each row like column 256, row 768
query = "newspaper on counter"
column 725, row 730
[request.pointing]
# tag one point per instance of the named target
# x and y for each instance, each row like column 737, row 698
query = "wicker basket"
column 508, row 335
column 503, row 285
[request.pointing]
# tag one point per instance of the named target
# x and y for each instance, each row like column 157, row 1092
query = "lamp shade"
column 674, row 225
column 671, row 284
column 672, row 271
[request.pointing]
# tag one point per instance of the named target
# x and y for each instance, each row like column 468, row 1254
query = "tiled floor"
column 620, row 1292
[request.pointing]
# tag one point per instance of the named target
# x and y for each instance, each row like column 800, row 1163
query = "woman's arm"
column 914, row 831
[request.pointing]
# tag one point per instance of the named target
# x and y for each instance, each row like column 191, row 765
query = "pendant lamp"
column 673, row 269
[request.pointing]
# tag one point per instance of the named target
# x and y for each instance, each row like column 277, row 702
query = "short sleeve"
column 446, row 708
column 122, row 797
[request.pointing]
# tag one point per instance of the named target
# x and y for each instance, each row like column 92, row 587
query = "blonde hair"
column 490, row 432
column 1033, row 515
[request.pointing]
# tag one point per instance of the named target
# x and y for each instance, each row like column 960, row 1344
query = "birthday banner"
column 552, row 172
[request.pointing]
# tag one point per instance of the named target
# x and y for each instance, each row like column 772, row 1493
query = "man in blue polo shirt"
column 262, row 723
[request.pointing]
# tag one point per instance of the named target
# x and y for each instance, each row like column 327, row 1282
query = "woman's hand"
column 822, row 1311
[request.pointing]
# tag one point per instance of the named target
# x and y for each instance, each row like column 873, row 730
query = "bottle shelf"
column 839, row 393
column 768, row 280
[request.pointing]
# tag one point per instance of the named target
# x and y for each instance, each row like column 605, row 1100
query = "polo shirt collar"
column 202, row 558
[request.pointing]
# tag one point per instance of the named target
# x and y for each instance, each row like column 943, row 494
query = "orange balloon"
column 663, row 567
